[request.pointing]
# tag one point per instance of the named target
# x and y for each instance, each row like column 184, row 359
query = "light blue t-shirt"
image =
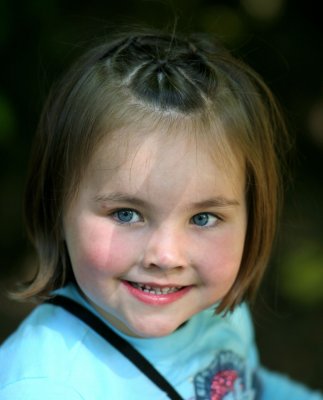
column 54, row 356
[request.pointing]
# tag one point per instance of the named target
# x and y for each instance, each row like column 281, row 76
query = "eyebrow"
column 117, row 197
column 216, row 202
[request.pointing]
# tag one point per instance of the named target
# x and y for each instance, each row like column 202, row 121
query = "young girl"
column 152, row 201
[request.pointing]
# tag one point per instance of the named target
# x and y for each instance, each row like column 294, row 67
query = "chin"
column 152, row 330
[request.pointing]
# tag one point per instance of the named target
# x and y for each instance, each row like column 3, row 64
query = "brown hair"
column 138, row 76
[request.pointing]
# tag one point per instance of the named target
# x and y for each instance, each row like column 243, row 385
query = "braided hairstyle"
column 152, row 78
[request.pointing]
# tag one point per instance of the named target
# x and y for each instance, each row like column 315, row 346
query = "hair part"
column 146, row 80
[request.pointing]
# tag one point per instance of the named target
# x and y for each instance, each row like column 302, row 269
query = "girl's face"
column 156, row 232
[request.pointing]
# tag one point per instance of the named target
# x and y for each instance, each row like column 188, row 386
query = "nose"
column 165, row 249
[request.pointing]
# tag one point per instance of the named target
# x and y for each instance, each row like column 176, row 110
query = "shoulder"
column 53, row 352
column 42, row 346
column 44, row 349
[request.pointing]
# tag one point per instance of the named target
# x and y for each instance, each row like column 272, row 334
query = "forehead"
column 161, row 154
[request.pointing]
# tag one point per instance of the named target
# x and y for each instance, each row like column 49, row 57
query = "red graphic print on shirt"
column 227, row 378
column 222, row 383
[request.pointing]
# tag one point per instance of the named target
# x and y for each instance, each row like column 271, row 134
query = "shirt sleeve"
column 38, row 389
column 279, row 387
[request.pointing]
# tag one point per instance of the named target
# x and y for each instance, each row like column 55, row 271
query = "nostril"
column 165, row 263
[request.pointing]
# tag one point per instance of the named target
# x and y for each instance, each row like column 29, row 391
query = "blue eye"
column 126, row 216
column 204, row 219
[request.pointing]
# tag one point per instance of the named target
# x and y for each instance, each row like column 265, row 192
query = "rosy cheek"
column 103, row 248
column 222, row 259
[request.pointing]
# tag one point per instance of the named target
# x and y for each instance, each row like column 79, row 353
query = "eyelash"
column 116, row 216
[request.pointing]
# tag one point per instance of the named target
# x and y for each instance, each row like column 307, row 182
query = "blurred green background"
column 283, row 41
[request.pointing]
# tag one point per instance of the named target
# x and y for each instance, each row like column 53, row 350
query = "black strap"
column 116, row 341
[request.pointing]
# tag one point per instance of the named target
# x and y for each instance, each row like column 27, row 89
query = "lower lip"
column 156, row 299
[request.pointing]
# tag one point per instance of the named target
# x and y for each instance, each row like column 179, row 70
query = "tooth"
column 155, row 290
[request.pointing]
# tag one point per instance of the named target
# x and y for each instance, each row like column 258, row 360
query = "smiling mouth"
column 158, row 290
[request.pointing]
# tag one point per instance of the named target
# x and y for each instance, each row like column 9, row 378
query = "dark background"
column 283, row 41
